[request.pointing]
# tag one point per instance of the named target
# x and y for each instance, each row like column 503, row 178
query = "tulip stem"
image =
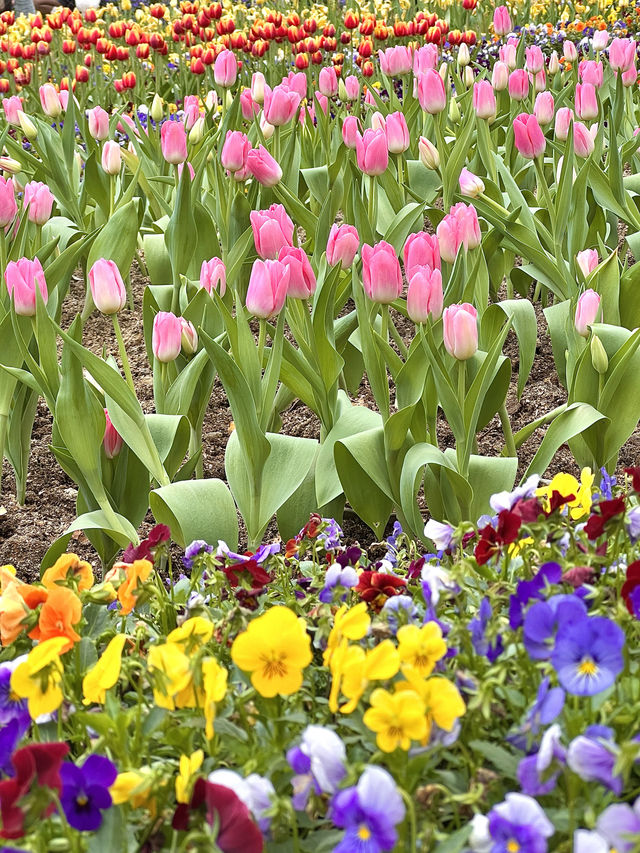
column 3, row 252
column 123, row 352
column 461, row 441
column 4, row 425
column 509, row 443
column 542, row 184
column 373, row 205
column 262, row 336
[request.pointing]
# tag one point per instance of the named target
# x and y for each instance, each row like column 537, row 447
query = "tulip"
column 267, row 129
column 166, row 340
column 583, row 140
column 263, row 167
column 258, row 87
column 191, row 110
column 381, row 274
column 425, row 58
column 569, row 51
column 328, row 82
column 539, row 81
column 190, row 169
column 587, row 310
column 534, row 59
column 280, row 104
column 428, row 153
column 98, row 121
column 12, row 106
column 39, row 199
column 564, row 117
column 112, row 441
column 397, row 133
column 586, row 101
column 49, row 100
column 424, row 295
column 630, row 76
column 8, row 206
column 518, row 84
column 454, row 111
column 592, row 72
column 622, row 54
column 342, row 245
column 420, row 250
column 500, row 77
column 587, row 260
column 350, row 132
column 272, row 229
column 111, row 158
column 600, row 40
column 188, row 337
column 507, row 54
column 22, row 277
column 460, row 330
column 196, row 133
column 249, row 107
column 470, row 185
column 554, row 63
column 543, row 108
column 484, row 100
column 372, row 153
column 107, row 288
column 27, row 126
column 460, row 227
column 599, row 357
column 528, row 136
column 173, row 141
column 352, row 88
column 431, row 92
column 464, row 57
column 302, row 280
column 378, row 121
column 267, row 289
column 8, row 164
column 213, row 276
column 157, row 109
column 395, row 61
column 225, row 69
column 502, row 25
column 235, row 150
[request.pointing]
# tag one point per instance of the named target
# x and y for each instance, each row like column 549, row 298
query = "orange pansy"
column 69, row 566
column 137, row 573
column 60, row 612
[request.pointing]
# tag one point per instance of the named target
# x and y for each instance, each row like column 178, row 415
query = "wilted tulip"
column 267, row 289
column 111, row 158
column 470, row 185
column 302, row 280
column 213, row 276
column 166, row 340
column 107, row 287
column 173, row 140
column 22, row 278
column 342, row 245
column 587, row 310
column 263, row 167
column 372, row 153
column 460, row 330
column 112, row 441
column 272, row 229
column 98, row 121
column 425, row 296
column 381, row 274
column 587, row 260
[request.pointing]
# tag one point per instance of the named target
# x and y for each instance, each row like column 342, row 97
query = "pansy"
column 593, row 756
column 194, row 551
column 440, row 533
column 603, row 512
column 105, row 673
column 369, row 813
column 617, row 828
column 396, row 718
column 545, row 618
column 38, row 679
column 539, row 773
column 519, row 823
column 318, row 762
column 493, row 538
column 549, row 573
column 337, row 582
column 478, row 628
column 375, row 587
column 588, row 655
column 398, row 611
column 330, row 537
column 507, row 500
column 256, row 792
column 567, row 486
column 85, row 791
column 421, row 648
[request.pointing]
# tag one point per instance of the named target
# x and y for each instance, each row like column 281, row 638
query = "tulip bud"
column 587, row 310
column 554, row 63
column 257, row 87
column 266, row 128
column 49, row 100
column 111, row 158
column 443, row 71
column 425, row 295
column 173, row 141
column 213, row 276
column 107, row 288
column 460, row 330
column 98, row 123
column 28, row 127
column 500, row 77
column 470, row 185
column 8, row 164
column 468, row 77
column 599, row 357
column 342, row 245
column 22, row 278
column 157, row 108
column 464, row 57
column 587, row 260
column 166, row 339
column 197, row 131
column 189, row 337
column 112, row 441
column 267, row 291
column 381, row 275
column 428, row 153
column 211, row 101
column 38, row 198
column 454, row 111
column 263, row 167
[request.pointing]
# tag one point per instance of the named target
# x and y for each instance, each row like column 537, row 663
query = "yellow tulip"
column 105, row 673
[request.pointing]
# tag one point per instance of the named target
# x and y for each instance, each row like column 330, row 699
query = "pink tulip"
column 397, row 133
column 372, row 153
column 508, row 54
column 352, row 87
column 323, row 103
column 22, row 278
column 502, row 25
column 12, row 106
column 249, row 107
column 534, row 59
column 428, row 154
column 235, row 151
column 600, row 40
column 173, row 140
column 420, row 250
column 190, row 169
column 296, row 81
column 484, row 100
column 342, row 245
column 191, row 110
column 49, row 100
column 378, row 121
column 586, row 101
column 127, row 125
column 539, row 81
column 188, row 337
column 166, row 339
column 459, row 228
column 111, row 158
column 263, row 167
column 257, row 86
column 554, row 63
column 587, row 260
column 302, row 280
column 328, row 81
column 369, row 100
column 112, row 441
column 267, row 289
column 460, row 330
column 381, row 275
column 630, row 76
column 569, row 51
column 272, row 229
column 39, row 199
column 213, row 276
column 431, row 93
column 225, row 69
column 424, row 296
column 98, row 121
column 622, row 54
column 280, row 105
column 395, row 61
column 8, row 206
column 591, row 71
column 564, row 117
column 518, row 84
column 350, row 132
column 107, row 288
column 470, row 185
column 587, row 310
column 583, row 142
column 500, row 77
column 543, row 108
column 425, row 58
column 528, row 136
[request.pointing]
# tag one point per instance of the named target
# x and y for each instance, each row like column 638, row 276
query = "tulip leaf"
column 170, row 435
column 197, row 509
column 574, row 420
column 525, row 326
column 419, row 456
column 118, row 239
column 361, row 465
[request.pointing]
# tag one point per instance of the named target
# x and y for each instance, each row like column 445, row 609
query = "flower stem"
column 509, row 443
column 123, row 352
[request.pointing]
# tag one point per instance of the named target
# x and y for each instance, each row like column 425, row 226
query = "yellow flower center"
column 421, row 660
column 395, row 731
column 364, row 833
column 274, row 666
column 82, row 800
column 588, row 667
column 513, row 846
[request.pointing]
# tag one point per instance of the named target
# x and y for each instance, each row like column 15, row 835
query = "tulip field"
column 319, row 408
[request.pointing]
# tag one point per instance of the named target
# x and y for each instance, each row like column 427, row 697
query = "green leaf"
column 419, row 456
column 574, row 420
column 498, row 756
column 362, row 468
column 118, row 239
column 525, row 325
column 197, row 509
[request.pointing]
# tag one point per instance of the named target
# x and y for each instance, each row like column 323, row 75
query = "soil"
column 27, row 531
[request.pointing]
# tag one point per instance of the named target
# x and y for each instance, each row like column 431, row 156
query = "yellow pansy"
column 189, row 766
column 214, row 680
column 106, row 672
column 396, row 718
column 275, row 649
column 441, row 698
column 133, row 787
column 350, row 624
column 171, row 673
column 193, row 633
column 567, row 485
column 353, row 669
column 422, row 647
column 38, row 679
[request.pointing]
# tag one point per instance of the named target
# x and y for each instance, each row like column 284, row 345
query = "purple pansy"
column 369, row 812
column 85, row 791
column 318, row 762
column 526, row 591
column 478, row 628
column 544, row 619
column 588, row 655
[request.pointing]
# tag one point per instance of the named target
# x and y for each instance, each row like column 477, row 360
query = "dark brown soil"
column 27, row 531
